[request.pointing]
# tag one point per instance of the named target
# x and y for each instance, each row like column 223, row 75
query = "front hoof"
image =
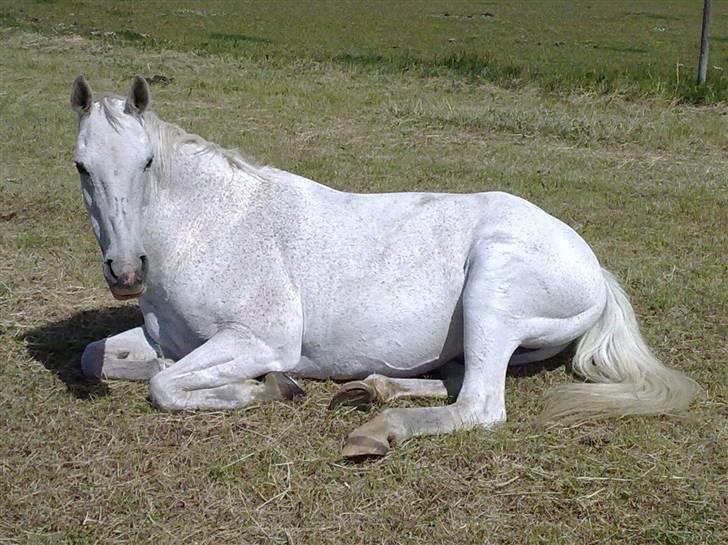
column 281, row 386
column 354, row 394
column 362, row 446
column 92, row 360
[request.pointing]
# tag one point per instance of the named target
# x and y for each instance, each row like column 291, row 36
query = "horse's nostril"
column 111, row 269
column 143, row 259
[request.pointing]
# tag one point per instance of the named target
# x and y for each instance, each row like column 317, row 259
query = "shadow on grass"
column 59, row 345
column 562, row 359
column 452, row 375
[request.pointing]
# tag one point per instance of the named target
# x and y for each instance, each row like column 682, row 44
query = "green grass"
column 640, row 174
column 644, row 49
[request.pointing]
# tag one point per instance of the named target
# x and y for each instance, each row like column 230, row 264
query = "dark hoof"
column 281, row 386
column 354, row 394
column 92, row 361
column 361, row 446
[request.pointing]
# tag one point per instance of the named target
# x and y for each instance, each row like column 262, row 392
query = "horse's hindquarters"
column 542, row 276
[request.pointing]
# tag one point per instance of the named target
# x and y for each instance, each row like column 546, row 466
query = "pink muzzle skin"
column 128, row 286
column 129, row 283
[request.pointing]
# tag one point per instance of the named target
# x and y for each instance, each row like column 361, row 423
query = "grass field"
column 634, row 49
column 588, row 112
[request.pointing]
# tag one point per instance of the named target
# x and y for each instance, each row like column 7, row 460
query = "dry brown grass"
column 645, row 183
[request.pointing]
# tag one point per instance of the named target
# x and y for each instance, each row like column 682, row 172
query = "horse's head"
column 114, row 156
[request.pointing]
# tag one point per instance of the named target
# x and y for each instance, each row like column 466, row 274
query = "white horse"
column 245, row 272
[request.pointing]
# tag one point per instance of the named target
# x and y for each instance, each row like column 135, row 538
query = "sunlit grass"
column 649, row 48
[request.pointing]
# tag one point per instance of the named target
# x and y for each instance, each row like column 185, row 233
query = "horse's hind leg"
column 490, row 336
column 127, row 356
column 379, row 388
column 507, row 301
column 481, row 401
column 362, row 394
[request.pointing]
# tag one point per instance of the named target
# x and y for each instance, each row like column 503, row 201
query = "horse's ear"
column 81, row 96
column 139, row 96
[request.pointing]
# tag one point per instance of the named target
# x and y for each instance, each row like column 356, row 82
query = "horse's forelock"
column 112, row 106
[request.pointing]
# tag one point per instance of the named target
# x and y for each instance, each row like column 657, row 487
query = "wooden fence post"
column 704, row 38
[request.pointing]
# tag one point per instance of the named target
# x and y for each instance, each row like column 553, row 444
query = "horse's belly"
column 394, row 347
column 344, row 365
column 359, row 368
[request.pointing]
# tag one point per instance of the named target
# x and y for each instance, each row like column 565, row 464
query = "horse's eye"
column 149, row 163
column 81, row 169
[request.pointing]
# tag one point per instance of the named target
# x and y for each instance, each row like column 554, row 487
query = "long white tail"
column 624, row 376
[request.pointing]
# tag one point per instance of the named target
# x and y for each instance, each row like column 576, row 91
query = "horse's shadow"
column 59, row 345
column 453, row 375
column 562, row 359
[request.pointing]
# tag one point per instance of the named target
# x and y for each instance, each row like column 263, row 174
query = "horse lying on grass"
column 246, row 275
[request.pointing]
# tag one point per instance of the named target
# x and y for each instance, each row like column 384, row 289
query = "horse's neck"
column 196, row 195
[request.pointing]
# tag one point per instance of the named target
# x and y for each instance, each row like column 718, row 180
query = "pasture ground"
column 632, row 165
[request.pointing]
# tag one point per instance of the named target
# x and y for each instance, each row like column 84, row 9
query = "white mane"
column 167, row 138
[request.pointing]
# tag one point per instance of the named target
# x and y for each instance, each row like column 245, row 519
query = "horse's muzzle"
column 128, row 282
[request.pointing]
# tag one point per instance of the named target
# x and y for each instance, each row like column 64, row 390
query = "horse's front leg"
column 220, row 374
column 127, row 356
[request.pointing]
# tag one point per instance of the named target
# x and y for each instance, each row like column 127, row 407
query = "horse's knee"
column 163, row 394
column 92, row 359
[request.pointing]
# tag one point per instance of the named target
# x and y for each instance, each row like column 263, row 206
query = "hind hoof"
column 361, row 446
column 281, row 386
column 354, row 394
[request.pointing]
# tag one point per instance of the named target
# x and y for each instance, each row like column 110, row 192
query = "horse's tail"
column 624, row 376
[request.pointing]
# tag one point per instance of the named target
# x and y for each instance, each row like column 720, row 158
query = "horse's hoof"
column 361, row 446
column 354, row 394
column 92, row 361
column 281, row 386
